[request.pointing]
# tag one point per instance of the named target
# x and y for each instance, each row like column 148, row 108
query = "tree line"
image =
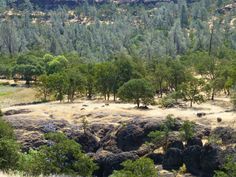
column 193, row 77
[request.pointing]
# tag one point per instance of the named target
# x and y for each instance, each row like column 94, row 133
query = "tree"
column 191, row 90
column 28, row 67
column 55, row 64
column 207, row 67
column 43, row 87
column 142, row 167
column 161, row 74
column 58, row 85
column 75, row 82
column 88, row 70
column 184, row 17
column 106, row 78
column 178, row 74
column 137, row 90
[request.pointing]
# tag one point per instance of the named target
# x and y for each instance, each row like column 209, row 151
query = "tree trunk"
column 213, row 95
column 191, row 103
column 160, row 86
column 138, row 103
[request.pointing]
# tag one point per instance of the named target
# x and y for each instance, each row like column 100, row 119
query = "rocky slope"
column 111, row 144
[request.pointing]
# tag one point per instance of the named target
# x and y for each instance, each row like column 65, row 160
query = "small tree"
column 84, row 124
column 137, row 90
column 142, row 167
column 187, row 130
column 163, row 135
column 191, row 91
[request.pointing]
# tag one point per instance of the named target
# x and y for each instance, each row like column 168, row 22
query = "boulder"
column 191, row 158
column 130, row 137
column 227, row 134
column 156, row 157
column 176, row 144
column 113, row 162
column 194, row 141
column 87, row 140
column 201, row 114
column 210, row 159
column 173, row 159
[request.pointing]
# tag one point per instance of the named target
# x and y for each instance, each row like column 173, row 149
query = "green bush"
column 9, row 149
column 167, row 102
column 187, row 130
column 63, row 156
column 142, row 167
column 32, row 163
column 9, row 154
column 229, row 168
column 161, row 137
column 6, row 130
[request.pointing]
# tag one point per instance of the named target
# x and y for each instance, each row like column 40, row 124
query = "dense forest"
column 157, row 52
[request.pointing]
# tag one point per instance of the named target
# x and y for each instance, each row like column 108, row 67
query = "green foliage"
column 142, row 167
column 161, row 136
column 191, row 91
column 137, row 90
column 9, row 148
column 63, row 156
column 6, row 131
column 27, row 67
column 167, row 102
column 229, row 168
column 187, row 130
column 9, row 154
column 32, row 163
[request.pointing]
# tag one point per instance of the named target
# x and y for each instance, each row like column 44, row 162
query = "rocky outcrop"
column 194, row 141
column 173, row 159
column 191, row 158
column 130, row 137
column 210, row 159
column 226, row 134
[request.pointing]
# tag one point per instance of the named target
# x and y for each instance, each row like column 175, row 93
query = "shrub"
column 9, row 154
column 9, row 149
column 142, row 167
column 187, row 130
column 32, row 163
column 229, row 168
column 6, row 130
column 162, row 136
column 167, row 102
column 65, row 157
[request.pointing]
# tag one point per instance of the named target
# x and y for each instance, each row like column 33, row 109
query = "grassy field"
column 15, row 95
